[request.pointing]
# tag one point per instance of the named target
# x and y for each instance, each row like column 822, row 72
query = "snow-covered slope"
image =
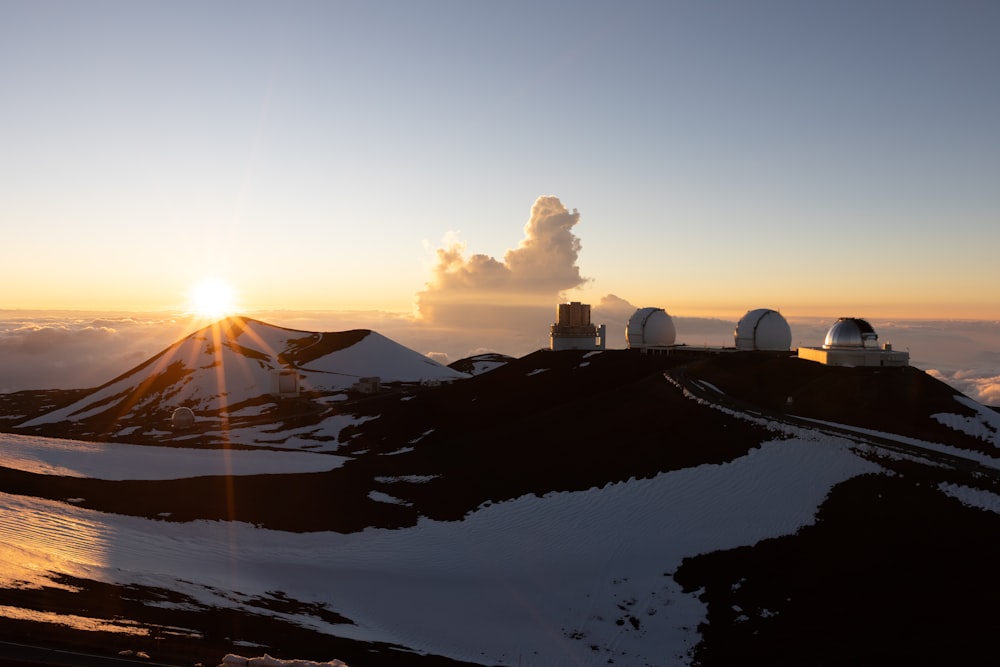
column 533, row 581
column 110, row 461
column 235, row 361
column 563, row 508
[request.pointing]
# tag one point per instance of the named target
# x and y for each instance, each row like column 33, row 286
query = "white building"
column 285, row 383
column 650, row 330
column 573, row 329
column 852, row 341
column 763, row 329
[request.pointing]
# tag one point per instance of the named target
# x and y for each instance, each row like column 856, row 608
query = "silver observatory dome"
column 851, row 332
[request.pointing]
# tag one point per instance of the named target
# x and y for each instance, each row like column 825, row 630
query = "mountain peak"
column 234, row 363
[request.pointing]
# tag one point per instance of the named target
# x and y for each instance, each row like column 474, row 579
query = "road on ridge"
column 715, row 397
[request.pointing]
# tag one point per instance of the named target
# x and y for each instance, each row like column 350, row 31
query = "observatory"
column 650, row 329
column 852, row 341
column 182, row 419
column 285, row 383
column 763, row 329
column 573, row 329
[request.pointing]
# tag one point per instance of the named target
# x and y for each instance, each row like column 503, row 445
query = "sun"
column 213, row 298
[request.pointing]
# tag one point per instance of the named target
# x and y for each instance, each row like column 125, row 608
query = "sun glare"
column 213, row 298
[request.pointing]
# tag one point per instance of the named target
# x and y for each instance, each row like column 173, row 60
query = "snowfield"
column 529, row 566
column 108, row 461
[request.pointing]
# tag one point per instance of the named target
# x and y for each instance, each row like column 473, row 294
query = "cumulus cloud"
column 612, row 309
column 479, row 291
column 440, row 357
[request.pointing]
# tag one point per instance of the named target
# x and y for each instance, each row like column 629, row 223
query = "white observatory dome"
column 650, row 327
column 763, row 329
column 182, row 419
column 851, row 332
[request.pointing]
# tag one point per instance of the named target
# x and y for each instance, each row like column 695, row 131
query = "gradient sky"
column 824, row 158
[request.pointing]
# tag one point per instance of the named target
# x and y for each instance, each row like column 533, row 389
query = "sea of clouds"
column 79, row 350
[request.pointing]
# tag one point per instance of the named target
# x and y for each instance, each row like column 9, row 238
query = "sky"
column 319, row 155
column 455, row 170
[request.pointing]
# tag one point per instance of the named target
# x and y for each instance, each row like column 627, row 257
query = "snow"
column 111, row 461
column 410, row 479
column 87, row 623
column 232, row 660
column 480, row 366
column 322, row 437
column 971, row 455
column 530, row 566
column 802, row 432
column 980, row 498
column 375, row 355
column 985, row 424
column 381, row 497
column 211, row 369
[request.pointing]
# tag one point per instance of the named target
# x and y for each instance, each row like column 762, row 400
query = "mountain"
column 568, row 507
column 232, row 371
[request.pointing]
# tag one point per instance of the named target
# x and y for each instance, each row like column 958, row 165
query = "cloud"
column 981, row 384
column 440, row 357
column 612, row 310
column 960, row 353
column 480, row 291
column 71, row 352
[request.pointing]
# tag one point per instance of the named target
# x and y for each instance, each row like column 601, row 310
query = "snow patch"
column 115, row 461
column 984, row 424
column 970, row 497
column 381, row 497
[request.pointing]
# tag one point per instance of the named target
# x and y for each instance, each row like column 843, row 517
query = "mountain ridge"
column 230, row 365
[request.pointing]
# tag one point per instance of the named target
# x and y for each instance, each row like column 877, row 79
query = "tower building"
column 573, row 329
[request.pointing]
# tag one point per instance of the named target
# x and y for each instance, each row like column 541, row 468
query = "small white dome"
column 763, row 329
column 851, row 332
column 650, row 327
column 182, row 419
